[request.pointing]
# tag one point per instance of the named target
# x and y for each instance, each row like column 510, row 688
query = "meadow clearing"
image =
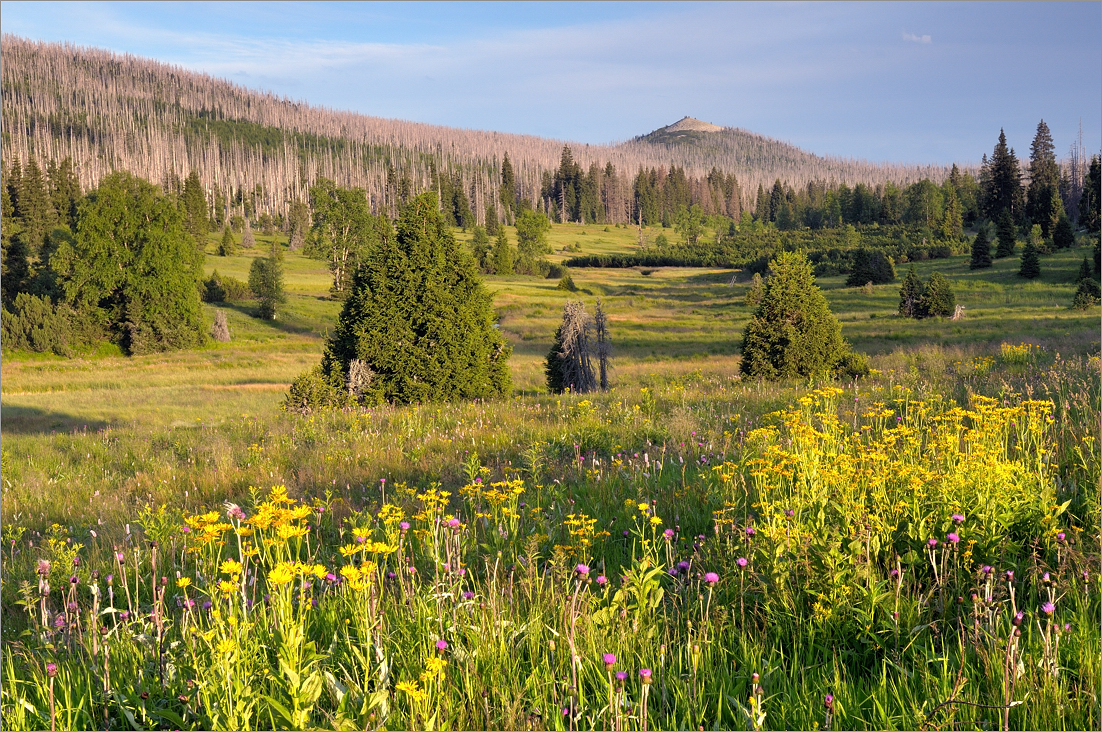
column 688, row 550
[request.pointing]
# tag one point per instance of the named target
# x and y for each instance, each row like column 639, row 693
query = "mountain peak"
column 687, row 124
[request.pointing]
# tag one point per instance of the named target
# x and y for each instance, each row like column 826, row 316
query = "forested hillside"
column 257, row 152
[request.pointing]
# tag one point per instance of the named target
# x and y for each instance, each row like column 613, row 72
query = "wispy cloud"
column 917, row 39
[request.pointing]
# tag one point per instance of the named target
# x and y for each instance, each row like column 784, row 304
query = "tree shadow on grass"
column 20, row 420
column 292, row 326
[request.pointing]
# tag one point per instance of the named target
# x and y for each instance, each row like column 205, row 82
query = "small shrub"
column 266, row 284
column 34, row 324
column 870, row 265
column 647, row 272
column 1087, row 294
column 227, row 247
column 315, row 390
column 247, row 240
column 567, row 283
column 218, row 288
column 852, row 365
column 554, row 271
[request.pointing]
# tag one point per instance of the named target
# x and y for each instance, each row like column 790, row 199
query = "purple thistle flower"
column 43, row 566
column 582, row 570
column 621, row 676
column 51, row 670
column 958, row 518
column 645, row 674
column 894, row 573
column 1061, row 537
column 404, row 526
column 672, row 571
column 953, row 537
column 1048, row 608
column 468, row 595
column 742, row 562
column 750, row 532
column 625, row 532
column 789, row 512
column 1046, row 578
column 610, row 661
column 987, row 569
column 59, row 621
column 441, row 645
column 602, row 580
column 1018, row 618
column 330, row 576
column 1010, row 575
column 932, row 542
column 828, row 700
column 668, row 533
column 453, row 523
column 711, row 578
column 1067, row 627
column 683, row 565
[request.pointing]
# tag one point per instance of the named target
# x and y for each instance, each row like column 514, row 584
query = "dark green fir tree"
column 981, row 251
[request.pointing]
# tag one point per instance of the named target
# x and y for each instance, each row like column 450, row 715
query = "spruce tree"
column 1090, row 200
column 1063, row 236
column 1006, row 235
column 501, row 258
column 1043, row 202
column 492, row 224
column 34, row 208
column 227, row 247
column 418, row 320
column 196, row 214
column 266, row 282
column 64, row 191
column 1031, row 261
column 1087, row 294
column 508, row 191
column 792, row 333
column 981, row 251
column 1084, row 271
column 1003, row 182
column 938, row 300
column 870, row 265
column 532, row 228
column 910, row 295
column 480, row 247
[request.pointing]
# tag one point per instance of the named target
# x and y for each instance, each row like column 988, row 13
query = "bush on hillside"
column 793, row 333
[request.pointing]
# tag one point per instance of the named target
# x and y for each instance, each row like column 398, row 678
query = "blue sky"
column 906, row 82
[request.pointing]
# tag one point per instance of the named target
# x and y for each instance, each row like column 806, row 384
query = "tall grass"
column 776, row 556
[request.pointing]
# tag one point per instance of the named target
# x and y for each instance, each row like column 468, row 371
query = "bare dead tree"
column 604, row 342
column 220, row 328
column 569, row 364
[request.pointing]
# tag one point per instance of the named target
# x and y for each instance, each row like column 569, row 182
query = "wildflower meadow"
column 913, row 550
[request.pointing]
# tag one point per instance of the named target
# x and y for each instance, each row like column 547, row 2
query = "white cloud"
column 917, row 39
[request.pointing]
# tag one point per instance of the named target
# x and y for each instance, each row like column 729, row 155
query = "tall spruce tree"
column 792, row 333
column 34, row 208
column 1031, row 261
column 1006, row 234
column 1003, row 182
column 1043, row 203
column 196, row 213
column 266, row 282
column 910, row 295
column 501, row 258
column 64, row 191
column 1089, row 202
column 1063, row 236
column 981, row 251
column 508, row 191
column 418, row 321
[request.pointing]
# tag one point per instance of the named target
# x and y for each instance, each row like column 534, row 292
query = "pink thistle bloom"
column 610, row 661
column 742, row 562
column 441, row 645
column 711, row 578
column 602, row 580
column 1048, row 608
column 582, row 570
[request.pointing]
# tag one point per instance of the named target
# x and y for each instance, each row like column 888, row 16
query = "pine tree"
column 532, row 228
column 418, row 319
column 1043, row 203
column 952, row 225
column 870, row 265
column 1031, row 261
column 501, row 258
column 227, row 247
column 1063, row 236
column 480, row 247
column 1006, row 235
column 492, row 224
column 910, row 295
column 1092, row 193
column 1003, row 189
column 981, row 251
column 196, row 214
column 1084, row 271
column 266, row 282
column 938, row 300
column 508, row 191
column 64, row 191
column 34, row 208
column 792, row 333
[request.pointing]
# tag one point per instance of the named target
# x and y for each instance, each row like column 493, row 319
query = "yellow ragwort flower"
column 183, row 582
column 281, row 574
column 231, row 566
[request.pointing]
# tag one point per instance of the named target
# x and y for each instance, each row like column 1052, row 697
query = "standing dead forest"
column 257, row 153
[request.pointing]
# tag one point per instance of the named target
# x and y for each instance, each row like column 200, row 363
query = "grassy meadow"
column 914, row 549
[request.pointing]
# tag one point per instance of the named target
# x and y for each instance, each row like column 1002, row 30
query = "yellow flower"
column 286, row 531
column 183, row 582
column 232, row 620
column 319, row 571
column 349, row 549
column 231, row 566
column 410, row 688
column 226, row 646
column 643, row 507
column 227, row 587
column 281, row 574
column 655, row 521
column 350, row 573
